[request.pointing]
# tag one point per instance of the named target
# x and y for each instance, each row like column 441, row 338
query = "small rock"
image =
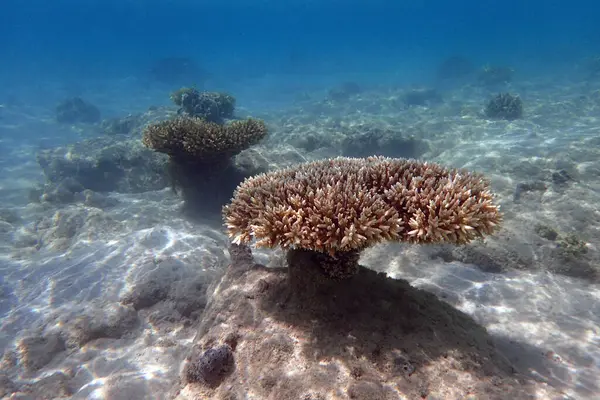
column 108, row 321
column 211, row 367
column 35, row 352
column 561, row 177
column 546, row 232
column 98, row 200
column 524, row 187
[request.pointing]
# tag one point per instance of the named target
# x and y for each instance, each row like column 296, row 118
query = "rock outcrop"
column 295, row 334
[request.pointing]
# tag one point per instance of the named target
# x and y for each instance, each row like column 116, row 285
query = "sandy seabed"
column 113, row 295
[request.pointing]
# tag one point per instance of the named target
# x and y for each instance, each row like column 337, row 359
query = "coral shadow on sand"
column 303, row 336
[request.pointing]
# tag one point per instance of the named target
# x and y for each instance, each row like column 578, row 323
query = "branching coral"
column 194, row 139
column 201, row 157
column 341, row 206
column 504, row 106
column 212, row 106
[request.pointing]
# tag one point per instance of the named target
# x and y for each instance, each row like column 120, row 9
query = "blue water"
column 237, row 39
column 283, row 61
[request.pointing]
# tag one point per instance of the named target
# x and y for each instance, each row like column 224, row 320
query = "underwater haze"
column 135, row 135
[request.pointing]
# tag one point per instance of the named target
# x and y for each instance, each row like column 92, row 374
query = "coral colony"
column 339, row 207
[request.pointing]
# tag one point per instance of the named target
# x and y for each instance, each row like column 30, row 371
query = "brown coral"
column 190, row 138
column 343, row 205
